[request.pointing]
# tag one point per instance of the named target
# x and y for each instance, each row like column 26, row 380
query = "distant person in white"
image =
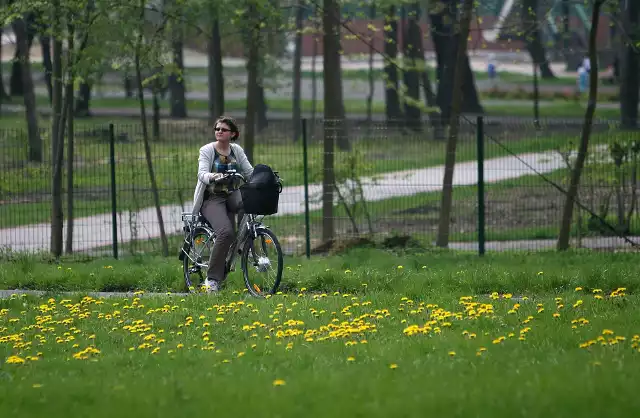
column 586, row 64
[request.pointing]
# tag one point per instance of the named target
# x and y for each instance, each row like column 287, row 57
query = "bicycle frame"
column 248, row 227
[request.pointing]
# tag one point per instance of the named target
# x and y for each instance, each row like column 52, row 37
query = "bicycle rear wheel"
column 262, row 258
column 195, row 265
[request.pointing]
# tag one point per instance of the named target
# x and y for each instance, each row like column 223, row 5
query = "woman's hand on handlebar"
column 216, row 177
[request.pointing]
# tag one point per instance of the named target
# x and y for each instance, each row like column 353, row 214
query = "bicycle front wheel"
column 262, row 263
column 196, row 262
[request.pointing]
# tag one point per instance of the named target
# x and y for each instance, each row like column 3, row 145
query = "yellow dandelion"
column 393, row 366
column 279, row 382
column 14, row 360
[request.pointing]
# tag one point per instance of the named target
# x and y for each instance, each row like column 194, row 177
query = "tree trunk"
column 333, row 110
column 630, row 84
column 262, row 122
column 372, row 16
column 3, row 91
column 16, row 83
column 84, row 98
column 45, row 43
column 176, row 81
column 297, row 79
column 392, row 99
column 57, row 137
column 69, row 99
column 532, row 37
column 253, row 40
column 447, row 44
column 411, row 53
column 567, row 213
column 314, row 77
column 22, row 49
column 215, row 76
column 450, row 156
column 145, row 138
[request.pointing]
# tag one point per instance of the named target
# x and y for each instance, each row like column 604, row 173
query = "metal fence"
column 388, row 184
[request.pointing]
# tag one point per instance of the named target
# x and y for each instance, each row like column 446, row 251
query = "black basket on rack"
column 261, row 194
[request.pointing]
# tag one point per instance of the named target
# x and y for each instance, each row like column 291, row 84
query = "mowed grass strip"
column 367, row 332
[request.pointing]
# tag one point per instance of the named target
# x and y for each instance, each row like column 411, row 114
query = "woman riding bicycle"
column 217, row 196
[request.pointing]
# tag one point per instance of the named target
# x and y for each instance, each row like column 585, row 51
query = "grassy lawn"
column 501, row 107
column 368, row 332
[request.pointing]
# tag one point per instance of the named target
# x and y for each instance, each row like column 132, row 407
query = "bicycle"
column 198, row 231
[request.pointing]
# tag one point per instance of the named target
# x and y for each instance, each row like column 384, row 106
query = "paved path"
column 96, row 231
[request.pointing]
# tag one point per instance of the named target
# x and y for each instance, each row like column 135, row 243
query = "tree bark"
column 145, row 138
column 532, row 37
column 69, row 93
column 3, row 92
column 333, row 111
column 253, row 39
column 447, row 43
column 16, row 83
column 47, row 63
column 215, row 76
column 392, row 99
column 567, row 213
column 177, row 87
column 57, row 137
column 297, row 70
column 22, row 50
column 450, row 156
column 411, row 54
column 630, row 61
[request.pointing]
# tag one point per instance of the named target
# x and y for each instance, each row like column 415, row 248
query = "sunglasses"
column 222, row 129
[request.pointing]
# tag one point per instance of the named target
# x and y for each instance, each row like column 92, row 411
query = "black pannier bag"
column 261, row 193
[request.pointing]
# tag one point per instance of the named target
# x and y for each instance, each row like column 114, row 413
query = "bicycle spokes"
column 196, row 262
column 262, row 264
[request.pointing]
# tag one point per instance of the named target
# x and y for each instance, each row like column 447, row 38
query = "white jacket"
column 205, row 162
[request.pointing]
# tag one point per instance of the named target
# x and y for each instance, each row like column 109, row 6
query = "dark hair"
column 231, row 123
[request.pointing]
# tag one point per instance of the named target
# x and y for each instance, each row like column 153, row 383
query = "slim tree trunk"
column 372, row 15
column 450, row 156
column 145, row 138
column 215, row 76
column 69, row 93
column 532, row 37
column 630, row 61
column 57, row 137
column 333, row 111
column 22, row 49
column 392, row 99
column 314, row 77
column 47, row 63
column 252, row 82
column 297, row 69
column 567, row 213
column 412, row 49
column 3, row 92
column 177, row 87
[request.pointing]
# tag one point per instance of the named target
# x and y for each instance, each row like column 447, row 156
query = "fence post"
column 112, row 166
column 480, row 145
column 305, row 167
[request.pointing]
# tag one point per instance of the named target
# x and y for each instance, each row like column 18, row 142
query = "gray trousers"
column 218, row 210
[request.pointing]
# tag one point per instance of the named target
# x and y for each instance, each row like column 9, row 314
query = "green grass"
column 547, row 109
column 353, row 335
column 378, row 74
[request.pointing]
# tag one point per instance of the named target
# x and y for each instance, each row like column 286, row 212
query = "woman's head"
column 226, row 129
